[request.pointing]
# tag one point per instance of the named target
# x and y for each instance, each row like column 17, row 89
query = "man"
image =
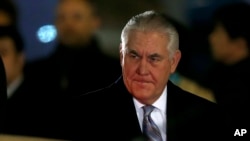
column 8, row 16
column 148, row 55
column 8, row 13
column 229, row 77
column 3, row 94
column 75, row 66
column 11, row 50
column 26, row 111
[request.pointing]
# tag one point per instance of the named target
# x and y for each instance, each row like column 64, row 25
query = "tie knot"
column 148, row 109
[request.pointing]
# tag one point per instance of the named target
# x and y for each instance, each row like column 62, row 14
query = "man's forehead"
column 147, row 52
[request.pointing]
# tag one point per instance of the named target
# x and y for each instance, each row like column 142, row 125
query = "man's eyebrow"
column 155, row 55
column 132, row 51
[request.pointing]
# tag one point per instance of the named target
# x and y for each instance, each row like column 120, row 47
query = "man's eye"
column 154, row 59
column 133, row 56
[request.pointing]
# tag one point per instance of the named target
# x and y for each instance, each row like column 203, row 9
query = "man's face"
column 221, row 44
column 146, row 65
column 4, row 18
column 75, row 22
column 13, row 61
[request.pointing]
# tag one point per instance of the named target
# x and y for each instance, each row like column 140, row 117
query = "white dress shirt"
column 158, row 114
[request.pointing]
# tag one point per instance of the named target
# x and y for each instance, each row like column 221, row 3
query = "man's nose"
column 142, row 67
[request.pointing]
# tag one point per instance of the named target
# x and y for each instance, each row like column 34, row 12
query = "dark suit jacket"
column 230, row 85
column 109, row 114
column 73, row 70
column 30, row 111
column 3, row 94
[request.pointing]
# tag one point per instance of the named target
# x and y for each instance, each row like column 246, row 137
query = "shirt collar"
column 13, row 86
column 160, row 103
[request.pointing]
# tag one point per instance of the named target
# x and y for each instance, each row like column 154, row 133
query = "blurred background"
column 192, row 18
column 36, row 21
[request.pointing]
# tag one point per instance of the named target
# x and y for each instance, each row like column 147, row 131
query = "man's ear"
column 175, row 60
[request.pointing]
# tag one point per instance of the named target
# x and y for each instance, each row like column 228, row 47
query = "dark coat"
column 109, row 114
column 231, row 87
column 3, row 94
column 72, row 71
column 30, row 111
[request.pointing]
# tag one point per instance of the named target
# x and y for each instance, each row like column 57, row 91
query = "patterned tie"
column 150, row 129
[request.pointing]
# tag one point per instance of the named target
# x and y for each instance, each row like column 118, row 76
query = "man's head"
column 149, row 54
column 12, row 52
column 8, row 13
column 76, row 22
column 230, row 36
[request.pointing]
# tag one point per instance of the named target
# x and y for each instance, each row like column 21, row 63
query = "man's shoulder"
column 187, row 97
column 37, row 64
column 108, row 92
column 102, row 91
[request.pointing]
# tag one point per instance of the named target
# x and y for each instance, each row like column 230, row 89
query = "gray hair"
column 152, row 21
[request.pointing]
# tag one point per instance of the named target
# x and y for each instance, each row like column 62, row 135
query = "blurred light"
column 46, row 33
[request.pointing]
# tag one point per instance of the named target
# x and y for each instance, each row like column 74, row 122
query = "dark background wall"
column 37, row 13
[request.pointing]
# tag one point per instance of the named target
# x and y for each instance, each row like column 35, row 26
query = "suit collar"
column 174, row 108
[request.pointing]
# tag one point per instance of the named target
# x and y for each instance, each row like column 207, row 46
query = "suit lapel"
column 173, row 110
column 130, row 117
column 128, row 112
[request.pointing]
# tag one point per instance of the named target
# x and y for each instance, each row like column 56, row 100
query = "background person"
column 30, row 111
column 3, row 94
column 8, row 13
column 76, row 66
column 228, row 78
